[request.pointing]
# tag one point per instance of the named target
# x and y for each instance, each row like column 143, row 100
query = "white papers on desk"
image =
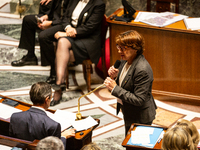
column 6, row 111
column 84, row 124
column 192, row 23
column 63, row 117
column 67, row 119
column 159, row 19
column 141, row 135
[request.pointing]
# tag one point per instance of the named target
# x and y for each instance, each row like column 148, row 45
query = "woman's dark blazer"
column 88, row 31
column 135, row 92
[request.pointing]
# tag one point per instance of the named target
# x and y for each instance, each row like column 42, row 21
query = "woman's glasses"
column 122, row 48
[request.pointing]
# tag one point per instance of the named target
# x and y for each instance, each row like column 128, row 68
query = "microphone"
column 78, row 115
column 117, row 64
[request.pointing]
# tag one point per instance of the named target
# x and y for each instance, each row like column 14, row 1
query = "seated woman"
column 82, row 23
column 177, row 138
column 190, row 128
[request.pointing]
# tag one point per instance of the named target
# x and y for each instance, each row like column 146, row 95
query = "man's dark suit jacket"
column 53, row 10
column 135, row 92
column 88, row 31
column 33, row 124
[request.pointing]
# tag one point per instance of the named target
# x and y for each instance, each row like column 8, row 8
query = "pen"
column 159, row 140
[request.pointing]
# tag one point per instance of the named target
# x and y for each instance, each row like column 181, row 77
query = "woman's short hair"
column 39, row 91
column 177, row 138
column 50, row 143
column 190, row 128
column 132, row 39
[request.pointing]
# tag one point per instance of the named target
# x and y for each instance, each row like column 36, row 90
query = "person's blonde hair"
column 190, row 128
column 177, row 138
column 91, row 146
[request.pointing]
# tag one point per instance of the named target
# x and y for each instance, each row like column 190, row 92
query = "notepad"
column 192, row 23
column 6, row 111
column 145, row 136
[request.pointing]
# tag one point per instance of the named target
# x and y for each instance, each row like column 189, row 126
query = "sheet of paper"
column 141, row 135
column 65, row 114
column 6, row 111
column 137, row 138
column 192, row 23
column 159, row 19
column 144, row 130
column 63, row 117
column 84, row 124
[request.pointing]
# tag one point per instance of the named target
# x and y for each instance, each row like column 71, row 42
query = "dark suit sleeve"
column 55, row 131
column 92, row 22
column 64, row 140
column 136, row 91
column 57, row 12
column 11, row 128
column 46, row 9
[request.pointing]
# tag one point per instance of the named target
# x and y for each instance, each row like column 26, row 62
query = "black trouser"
column 128, row 123
column 28, row 31
column 46, row 38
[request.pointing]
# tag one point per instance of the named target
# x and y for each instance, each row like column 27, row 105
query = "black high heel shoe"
column 62, row 86
column 55, row 102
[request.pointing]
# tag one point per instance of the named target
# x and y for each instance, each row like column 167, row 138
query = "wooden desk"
column 76, row 143
column 132, row 147
column 172, row 51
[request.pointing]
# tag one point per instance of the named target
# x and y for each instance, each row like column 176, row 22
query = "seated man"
column 47, row 24
column 34, row 123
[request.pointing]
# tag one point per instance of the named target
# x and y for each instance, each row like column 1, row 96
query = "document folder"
column 154, row 137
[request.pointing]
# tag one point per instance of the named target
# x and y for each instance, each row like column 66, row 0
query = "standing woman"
column 81, row 39
column 132, row 82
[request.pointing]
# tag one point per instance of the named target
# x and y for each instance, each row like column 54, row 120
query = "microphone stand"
column 78, row 115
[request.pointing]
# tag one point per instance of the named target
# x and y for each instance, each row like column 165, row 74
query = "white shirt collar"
column 39, row 108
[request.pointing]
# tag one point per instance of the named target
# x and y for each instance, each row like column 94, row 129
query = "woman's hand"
column 113, row 72
column 60, row 34
column 71, row 32
column 68, row 133
column 110, row 83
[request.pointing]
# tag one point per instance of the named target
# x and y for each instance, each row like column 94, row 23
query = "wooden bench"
column 14, row 142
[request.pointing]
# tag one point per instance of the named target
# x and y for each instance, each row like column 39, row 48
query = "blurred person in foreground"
column 50, row 143
column 91, row 146
column 190, row 128
column 177, row 138
column 132, row 82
